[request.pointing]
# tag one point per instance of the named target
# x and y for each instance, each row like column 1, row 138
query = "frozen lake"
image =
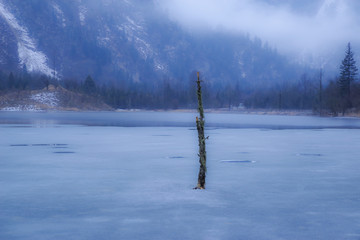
column 130, row 176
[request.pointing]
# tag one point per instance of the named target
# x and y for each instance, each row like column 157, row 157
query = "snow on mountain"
column 29, row 55
column 124, row 41
column 332, row 8
column 59, row 14
column 82, row 14
column 137, row 33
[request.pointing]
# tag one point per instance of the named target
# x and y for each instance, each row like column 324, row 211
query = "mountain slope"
column 29, row 56
column 127, row 43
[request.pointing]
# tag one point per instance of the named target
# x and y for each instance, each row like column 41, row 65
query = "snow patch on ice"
column 34, row 60
column 237, row 161
column 46, row 98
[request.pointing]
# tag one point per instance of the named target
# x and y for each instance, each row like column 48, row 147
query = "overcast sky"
column 292, row 26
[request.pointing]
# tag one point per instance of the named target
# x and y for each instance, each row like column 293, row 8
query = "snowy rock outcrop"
column 50, row 99
column 46, row 98
column 29, row 55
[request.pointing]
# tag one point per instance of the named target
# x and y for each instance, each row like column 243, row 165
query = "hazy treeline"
column 24, row 81
column 304, row 94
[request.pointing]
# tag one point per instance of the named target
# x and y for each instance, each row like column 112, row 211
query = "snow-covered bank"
column 51, row 99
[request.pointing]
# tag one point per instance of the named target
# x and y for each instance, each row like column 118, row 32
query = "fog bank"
column 310, row 28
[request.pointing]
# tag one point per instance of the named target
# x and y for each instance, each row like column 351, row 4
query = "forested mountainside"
column 138, row 54
column 129, row 42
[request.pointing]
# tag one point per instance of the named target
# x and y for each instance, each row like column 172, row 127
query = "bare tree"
column 200, row 125
column 320, row 92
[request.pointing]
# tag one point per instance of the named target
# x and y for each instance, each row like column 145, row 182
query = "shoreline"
column 246, row 111
column 209, row 110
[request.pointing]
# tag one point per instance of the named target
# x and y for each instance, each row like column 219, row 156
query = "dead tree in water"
column 200, row 124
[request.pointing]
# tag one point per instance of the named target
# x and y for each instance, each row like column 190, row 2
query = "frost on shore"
column 32, row 101
column 46, row 98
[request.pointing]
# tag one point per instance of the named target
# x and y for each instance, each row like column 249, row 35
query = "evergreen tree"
column 89, row 85
column 45, row 81
column 2, row 81
column 11, row 81
column 348, row 73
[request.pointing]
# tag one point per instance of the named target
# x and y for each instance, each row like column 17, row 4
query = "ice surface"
column 182, row 119
column 61, row 181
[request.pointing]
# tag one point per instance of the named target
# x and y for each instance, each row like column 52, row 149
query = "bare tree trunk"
column 320, row 93
column 280, row 101
column 200, row 124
